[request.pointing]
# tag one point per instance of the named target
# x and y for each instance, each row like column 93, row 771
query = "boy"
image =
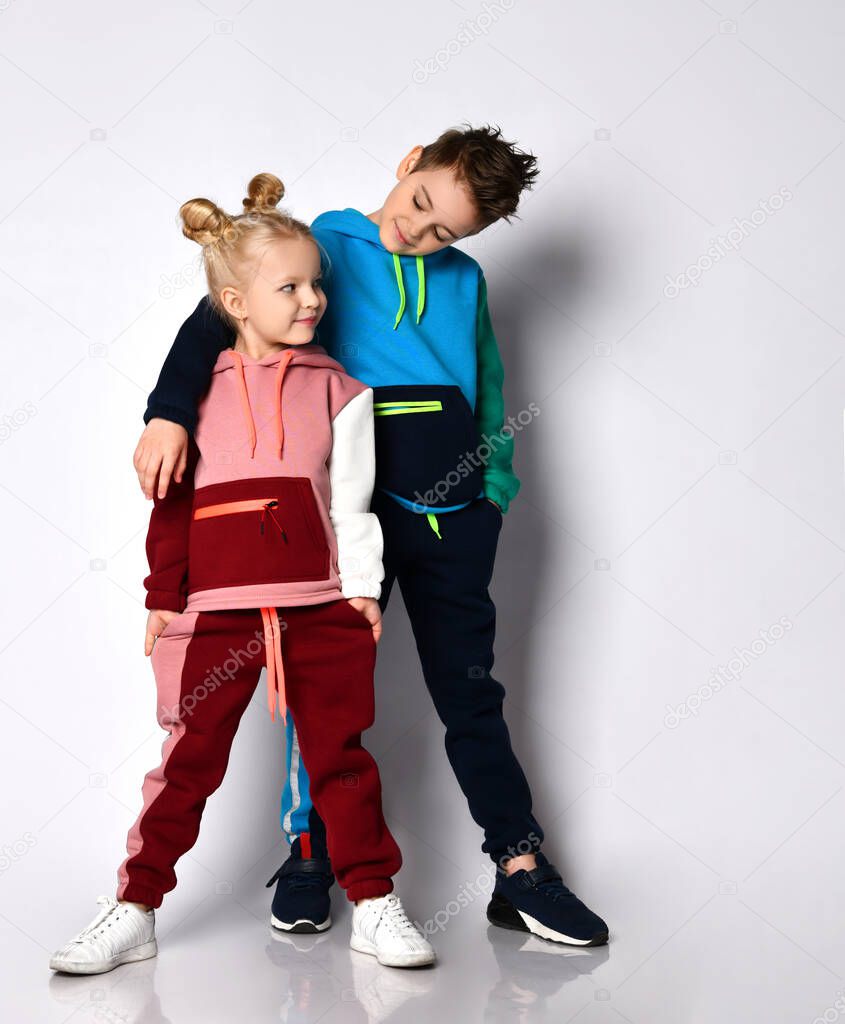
column 408, row 316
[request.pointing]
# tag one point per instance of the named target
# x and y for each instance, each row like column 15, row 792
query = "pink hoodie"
column 274, row 507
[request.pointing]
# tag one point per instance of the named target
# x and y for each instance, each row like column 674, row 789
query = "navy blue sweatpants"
column 444, row 583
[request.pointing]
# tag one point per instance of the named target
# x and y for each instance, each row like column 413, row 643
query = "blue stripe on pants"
column 296, row 796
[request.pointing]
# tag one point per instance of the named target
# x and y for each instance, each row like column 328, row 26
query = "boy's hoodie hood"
column 278, row 362
column 355, row 224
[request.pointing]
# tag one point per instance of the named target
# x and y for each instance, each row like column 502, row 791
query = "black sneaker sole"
column 502, row 913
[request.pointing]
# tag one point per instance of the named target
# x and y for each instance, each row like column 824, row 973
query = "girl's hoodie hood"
column 276, row 364
column 356, row 225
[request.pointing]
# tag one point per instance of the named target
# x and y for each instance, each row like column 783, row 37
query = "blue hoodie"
column 396, row 319
column 414, row 328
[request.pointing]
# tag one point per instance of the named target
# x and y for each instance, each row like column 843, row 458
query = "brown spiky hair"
column 494, row 171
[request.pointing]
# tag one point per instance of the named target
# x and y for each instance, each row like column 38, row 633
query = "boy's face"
column 285, row 299
column 425, row 211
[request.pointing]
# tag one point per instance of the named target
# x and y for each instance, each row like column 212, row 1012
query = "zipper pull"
column 270, row 506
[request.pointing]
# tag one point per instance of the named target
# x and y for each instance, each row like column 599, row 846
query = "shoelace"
column 109, row 905
column 393, row 914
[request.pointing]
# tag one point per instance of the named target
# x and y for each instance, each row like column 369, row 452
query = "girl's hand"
column 163, row 448
column 369, row 608
column 156, row 621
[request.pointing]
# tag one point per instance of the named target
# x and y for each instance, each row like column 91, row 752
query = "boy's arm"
column 500, row 482
column 167, row 543
column 352, row 471
column 187, row 369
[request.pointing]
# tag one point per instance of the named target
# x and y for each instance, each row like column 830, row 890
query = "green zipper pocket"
column 399, row 408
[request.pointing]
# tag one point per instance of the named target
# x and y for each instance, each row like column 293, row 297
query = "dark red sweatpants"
column 206, row 666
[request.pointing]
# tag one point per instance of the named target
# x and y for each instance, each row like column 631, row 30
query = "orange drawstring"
column 284, row 363
column 250, row 422
column 275, row 666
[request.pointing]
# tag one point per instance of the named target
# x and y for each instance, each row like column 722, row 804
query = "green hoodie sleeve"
column 500, row 482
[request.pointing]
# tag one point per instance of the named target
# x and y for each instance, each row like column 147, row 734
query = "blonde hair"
column 232, row 245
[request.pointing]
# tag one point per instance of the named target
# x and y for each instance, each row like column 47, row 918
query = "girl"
column 266, row 552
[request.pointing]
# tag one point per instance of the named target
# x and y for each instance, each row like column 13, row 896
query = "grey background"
column 682, row 493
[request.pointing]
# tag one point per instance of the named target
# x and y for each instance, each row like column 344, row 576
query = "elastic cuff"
column 497, row 494
column 135, row 893
column 529, row 843
column 357, row 586
column 162, row 600
column 369, row 888
column 172, row 413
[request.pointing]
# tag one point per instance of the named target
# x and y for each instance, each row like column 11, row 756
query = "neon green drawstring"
column 397, row 266
column 432, row 522
column 420, row 287
column 400, row 283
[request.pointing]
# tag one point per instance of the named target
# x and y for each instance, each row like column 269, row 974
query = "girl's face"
column 285, row 299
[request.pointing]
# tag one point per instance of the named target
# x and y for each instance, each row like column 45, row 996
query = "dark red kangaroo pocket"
column 256, row 531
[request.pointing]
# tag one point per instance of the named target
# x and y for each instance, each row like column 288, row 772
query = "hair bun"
column 203, row 221
column 265, row 192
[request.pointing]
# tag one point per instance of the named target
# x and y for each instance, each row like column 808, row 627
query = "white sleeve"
column 352, row 471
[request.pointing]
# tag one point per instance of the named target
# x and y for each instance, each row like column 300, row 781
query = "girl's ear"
column 233, row 302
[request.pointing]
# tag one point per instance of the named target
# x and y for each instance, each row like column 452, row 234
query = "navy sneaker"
column 537, row 901
column 301, row 902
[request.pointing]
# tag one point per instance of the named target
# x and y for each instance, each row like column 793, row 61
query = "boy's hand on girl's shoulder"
column 162, row 452
column 156, row 621
column 369, row 608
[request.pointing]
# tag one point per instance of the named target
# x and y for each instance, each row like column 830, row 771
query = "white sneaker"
column 381, row 928
column 120, row 934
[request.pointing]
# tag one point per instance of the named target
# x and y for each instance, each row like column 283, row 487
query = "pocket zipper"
column 262, row 505
column 398, row 408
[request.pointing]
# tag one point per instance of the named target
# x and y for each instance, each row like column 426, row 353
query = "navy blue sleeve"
column 186, row 373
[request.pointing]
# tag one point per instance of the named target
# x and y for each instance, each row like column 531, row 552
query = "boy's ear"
column 408, row 162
